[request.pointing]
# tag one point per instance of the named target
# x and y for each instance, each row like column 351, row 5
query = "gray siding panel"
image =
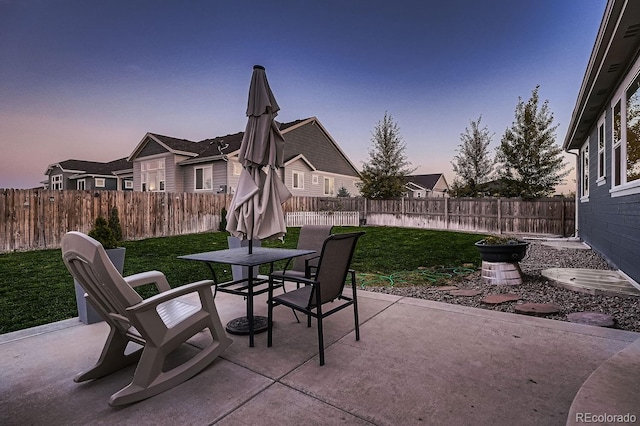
column 151, row 148
column 611, row 225
column 324, row 156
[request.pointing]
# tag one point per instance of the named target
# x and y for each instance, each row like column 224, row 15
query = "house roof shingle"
column 425, row 181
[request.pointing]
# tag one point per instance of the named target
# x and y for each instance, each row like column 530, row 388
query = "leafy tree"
column 528, row 159
column 472, row 165
column 385, row 174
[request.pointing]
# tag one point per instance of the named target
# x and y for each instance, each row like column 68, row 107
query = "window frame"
column 332, row 184
column 299, row 177
column 602, row 156
column 81, row 183
column 158, row 172
column 100, row 182
column 620, row 186
column 57, row 182
column 584, row 172
column 128, row 184
column 208, row 168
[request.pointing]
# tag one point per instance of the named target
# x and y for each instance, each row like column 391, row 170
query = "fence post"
column 562, row 224
column 446, row 212
column 499, row 216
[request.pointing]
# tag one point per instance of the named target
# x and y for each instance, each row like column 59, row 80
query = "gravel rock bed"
column 535, row 288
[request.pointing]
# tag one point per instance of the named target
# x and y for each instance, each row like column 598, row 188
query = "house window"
column 584, row 178
column 99, row 182
column 128, row 184
column 204, row 178
column 297, row 179
column 314, row 179
column 328, row 186
column 152, row 175
column 632, row 125
column 617, row 144
column 237, row 169
column 80, row 185
column 601, row 157
column 56, row 182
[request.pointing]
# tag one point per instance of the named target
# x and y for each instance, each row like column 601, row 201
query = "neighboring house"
column 314, row 164
column 423, row 186
column 89, row 175
column 604, row 133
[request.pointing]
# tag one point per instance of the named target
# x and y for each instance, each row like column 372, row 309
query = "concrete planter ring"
column 513, row 251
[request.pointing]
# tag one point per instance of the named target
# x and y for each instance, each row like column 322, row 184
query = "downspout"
column 577, row 154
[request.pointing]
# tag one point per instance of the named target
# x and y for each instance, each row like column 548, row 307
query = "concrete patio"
column 418, row 362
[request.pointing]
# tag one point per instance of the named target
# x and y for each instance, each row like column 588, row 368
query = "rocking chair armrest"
column 150, row 277
column 153, row 301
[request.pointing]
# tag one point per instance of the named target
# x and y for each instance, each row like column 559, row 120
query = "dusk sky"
column 87, row 80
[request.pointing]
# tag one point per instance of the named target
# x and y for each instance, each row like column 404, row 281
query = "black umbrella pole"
column 250, row 246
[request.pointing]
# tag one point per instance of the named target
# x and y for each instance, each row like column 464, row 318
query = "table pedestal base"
column 240, row 326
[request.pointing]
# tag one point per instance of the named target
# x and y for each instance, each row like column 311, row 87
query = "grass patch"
column 36, row 288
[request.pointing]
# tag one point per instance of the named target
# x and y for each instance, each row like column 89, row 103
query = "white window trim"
column 300, row 175
column 84, row 185
column 100, row 182
column 584, row 172
column 143, row 175
column 128, row 184
column 602, row 164
column 314, row 179
column 57, row 182
column 332, row 188
column 625, row 188
column 195, row 180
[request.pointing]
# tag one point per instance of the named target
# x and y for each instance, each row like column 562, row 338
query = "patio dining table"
column 249, row 286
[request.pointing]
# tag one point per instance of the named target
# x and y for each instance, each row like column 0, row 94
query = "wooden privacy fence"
column 548, row 216
column 36, row 219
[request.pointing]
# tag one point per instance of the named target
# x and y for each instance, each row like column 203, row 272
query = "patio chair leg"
column 355, row 305
column 269, row 320
column 320, row 341
column 111, row 359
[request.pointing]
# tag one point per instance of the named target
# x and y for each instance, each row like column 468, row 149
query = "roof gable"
column 425, row 181
column 168, row 144
column 303, row 137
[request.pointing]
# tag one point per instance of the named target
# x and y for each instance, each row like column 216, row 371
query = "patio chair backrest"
column 89, row 264
column 333, row 266
column 311, row 238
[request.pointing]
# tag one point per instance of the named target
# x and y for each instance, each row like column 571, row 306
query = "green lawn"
column 35, row 287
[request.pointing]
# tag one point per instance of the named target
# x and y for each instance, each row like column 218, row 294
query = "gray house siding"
column 610, row 225
column 609, row 215
column 324, row 156
column 151, row 148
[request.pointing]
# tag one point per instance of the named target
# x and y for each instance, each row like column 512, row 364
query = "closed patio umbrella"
column 256, row 208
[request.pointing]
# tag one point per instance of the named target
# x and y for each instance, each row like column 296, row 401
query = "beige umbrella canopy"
column 256, row 208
